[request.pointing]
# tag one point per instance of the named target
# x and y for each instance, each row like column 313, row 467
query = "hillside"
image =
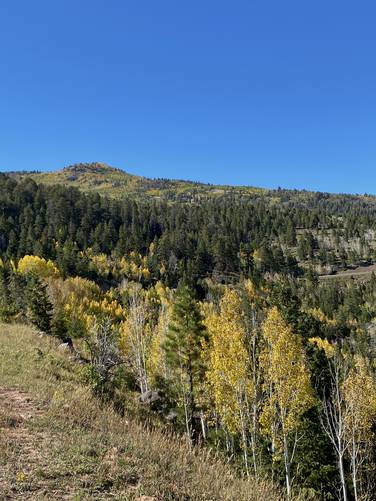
column 97, row 177
column 207, row 229
column 103, row 179
column 58, row 442
column 118, row 279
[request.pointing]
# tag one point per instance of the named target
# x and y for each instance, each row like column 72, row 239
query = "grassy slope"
column 56, row 442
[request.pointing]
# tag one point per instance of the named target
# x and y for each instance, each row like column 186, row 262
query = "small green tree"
column 39, row 308
column 183, row 351
column 17, row 294
column 104, row 356
column 11, row 293
column 5, row 309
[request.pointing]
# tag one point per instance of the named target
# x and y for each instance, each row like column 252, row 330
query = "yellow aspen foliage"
column 318, row 314
column 156, row 362
column 257, row 256
column 133, row 267
column 286, row 380
column 359, row 390
column 81, row 287
column 134, row 270
column 145, row 273
column 323, row 344
column 124, row 266
column 227, row 372
column 71, row 290
column 255, row 298
column 104, row 307
column 251, row 290
column 287, row 388
column 163, row 292
column 101, row 264
column 37, row 265
column 151, row 249
column 82, row 312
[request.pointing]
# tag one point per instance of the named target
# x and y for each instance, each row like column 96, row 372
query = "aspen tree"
column 38, row 266
column 253, row 306
column 334, row 413
column 359, row 391
column 288, row 388
column 135, row 337
column 228, row 371
column 157, row 366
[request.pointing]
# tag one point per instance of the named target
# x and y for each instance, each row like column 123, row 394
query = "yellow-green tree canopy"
column 359, row 389
column 38, row 266
column 286, row 377
column 227, row 372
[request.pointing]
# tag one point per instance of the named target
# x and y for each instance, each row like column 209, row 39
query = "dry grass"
column 57, row 442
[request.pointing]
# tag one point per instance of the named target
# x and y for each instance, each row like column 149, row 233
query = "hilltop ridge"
column 113, row 182
column 91, row 167
column 116, row 183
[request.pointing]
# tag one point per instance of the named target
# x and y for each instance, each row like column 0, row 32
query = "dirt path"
column 37, row 462
column 17, row 404
column 21, row 447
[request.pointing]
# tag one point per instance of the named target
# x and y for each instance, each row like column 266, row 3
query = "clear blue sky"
column 267, row 93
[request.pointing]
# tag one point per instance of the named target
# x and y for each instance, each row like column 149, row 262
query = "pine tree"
column 5, row 304
column 183, row 351
column 39, row 306
column 17, row 293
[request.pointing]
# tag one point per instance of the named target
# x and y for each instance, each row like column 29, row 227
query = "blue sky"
column 265, row 93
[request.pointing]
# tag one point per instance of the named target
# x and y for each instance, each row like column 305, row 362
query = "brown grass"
column 58, row 442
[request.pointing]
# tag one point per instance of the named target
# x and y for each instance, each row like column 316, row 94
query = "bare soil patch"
column 358, row 272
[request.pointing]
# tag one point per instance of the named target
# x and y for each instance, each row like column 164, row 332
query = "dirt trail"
column 20, row 446
column 18, row 404
column 30, row 454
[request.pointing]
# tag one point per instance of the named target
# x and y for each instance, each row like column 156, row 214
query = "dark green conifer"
column 183, row 349
column 38, row 304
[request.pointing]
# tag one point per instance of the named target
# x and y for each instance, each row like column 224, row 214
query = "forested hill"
column 101, row 178
column 251, row 234
column 109, row 181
